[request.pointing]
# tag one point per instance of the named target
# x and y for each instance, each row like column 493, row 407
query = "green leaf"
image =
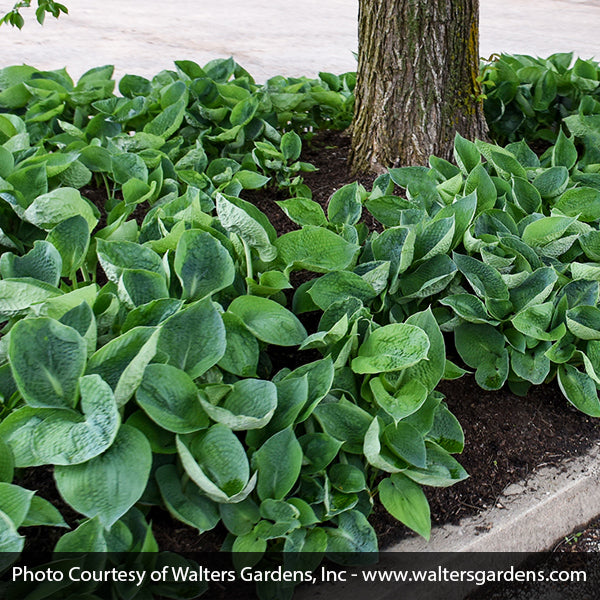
column 117, row 256
column 242, row 350
column 10, row 540
column 43, row 262
column 446, row 430
column 71, row 238
column 15, row 502
column 194, row 338
column 186, row 505
column 278, row 461
column 268, row 321
column 47, row 359
column 202, row 264
column 579, row 389
column 466, row 154
column 482, row 347
column 88, row 537
column 407, row 400
column 18, row 295
column 250, row 405
column 345, row 205
column 468, row 307
column 564, row 153
column 291, row 146
column 170, row 398
column 121, row 362
column 584, row 322
column 405, row 501
column 166, row 123
column 319, row 450
column 43, row 513
column 48, row 210
column 243, row 111
column 67, row 437
column 406, row 443
column 340, row 285
column 345, row 422
column 390, row 348
column 484, row 279
column 250, row 180
column 583, row 203
column 216, row 462
column 347, row 478
column 353, row 535
column 315, row 249
column 303, row 211
column 552, row 182
column 7, row 462
column 442, row 469
column 110, row 484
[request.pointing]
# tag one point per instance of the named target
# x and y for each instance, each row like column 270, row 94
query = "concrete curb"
column 530, row 516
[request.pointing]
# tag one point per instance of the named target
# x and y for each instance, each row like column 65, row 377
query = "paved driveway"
column 268, row 37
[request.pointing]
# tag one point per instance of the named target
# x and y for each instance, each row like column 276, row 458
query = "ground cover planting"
column 164, row 346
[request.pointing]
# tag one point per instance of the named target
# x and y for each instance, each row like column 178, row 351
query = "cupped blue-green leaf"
column 390, row 348
column 347, row 478
column 88, row 537
column 303, row 211
column 583, row 203
column 402, row 403
column 345, row 206
column 468, row 307
column 121, row 362
column 546, row 230
column 564, row 152
column 466, row 154
column 483, row 347
column 484, row 279
column 65, row 437
column 242, row 349
column 353, row 536
column 579, row 389
column 43, row 262
column 405, row 500
column 319, row 450
column 166, row 123
column 428, row 278
column 534, row 289
column 279, row 461
column 534, row 322
column 446, row 430
column 18, row 295
column 137, row 287
column 315, row 249
column 202, row 264
column 532, row 365
column 396, row 245
column 10, row 540
column 442, row 469
column 116, row 256
column 339, row 285
column 345, row 422
column 187, row 504
column 15, row 502
column 526, row 195
column 110, row 484
column 216, row 462
column 43, row 513
column 245, row 220
column 249, row 405
column 48, row 210
column 194, row 338
column 47, row 359
column 406, row 443
column 319, row 376
column 169, row 397
column 552, row 182
column 7, row 462
column 268, row 321
column 584, row 322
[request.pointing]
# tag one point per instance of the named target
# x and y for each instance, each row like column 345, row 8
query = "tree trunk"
column 418, row 64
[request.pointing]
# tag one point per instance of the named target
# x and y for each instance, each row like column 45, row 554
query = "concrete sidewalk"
column 268, row 37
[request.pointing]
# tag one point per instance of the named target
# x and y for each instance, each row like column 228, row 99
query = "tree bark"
column 417, row 82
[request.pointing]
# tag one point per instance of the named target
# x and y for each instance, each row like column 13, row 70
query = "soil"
column 507, row 437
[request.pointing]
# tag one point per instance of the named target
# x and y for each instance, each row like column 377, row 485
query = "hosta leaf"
column 67, row 437
column 18, row 295
column 406, row 501
column 407, row 400
column 88, row 537
column 396, row 245
column 446, row 430
column 250, row 405
column 194, row 338
column 485, row 280
column 10, row 540
column 584, row 322
column 116, row 256
column 319, row 450
column 138, row 287
column 534, row 321
column 7, row 462
column 347, row 478
column 442, row 470
column 166, row 123
column 345, row 205
column 242, row 350
column 245, row 220
column 187, row 506
column 121, row 362
column 406, row 443
column 532, row 365
column 546, row 230
column 466, row 154
column 353, row 535
column 340, row 285
column 279, row 461
column 429, row 278
column 345, row 422
column 216, row 462
column 535, row 289
column 390, row 348
column 202, row 264
column 47, row 359
column 482, row 347
column 579, row 389
column 42, row 512
column 303, row 211
column 43, row 262
column 315, row 249
column 48, row 210
column 436, row 238
column 583, row 203
column 15, row 502
column 468, row 307
column 552, row 182
column 268, row 321
column 110, row 484
column 170, row 398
